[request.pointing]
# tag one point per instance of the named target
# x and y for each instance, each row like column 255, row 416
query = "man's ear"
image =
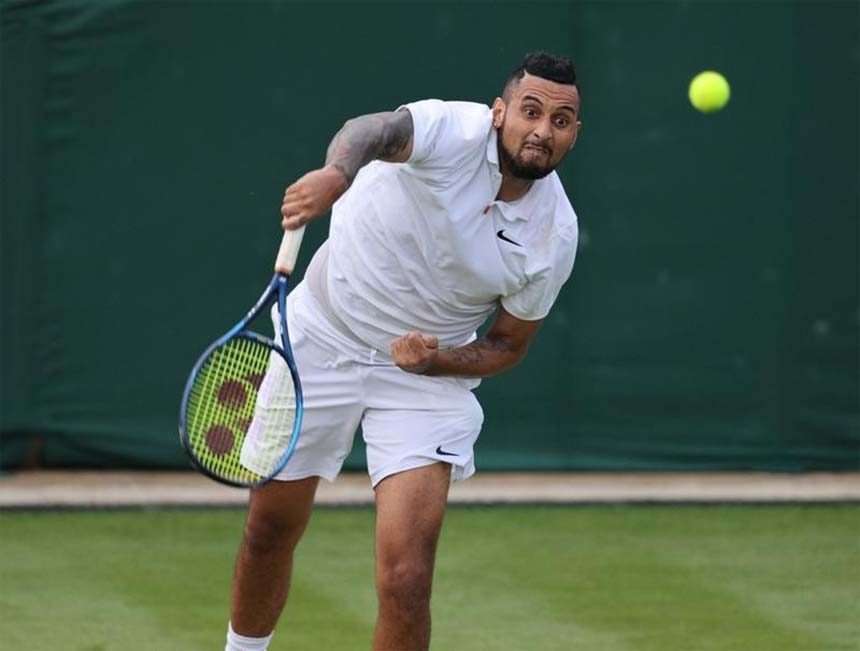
column 499, row 109
column 575, row 136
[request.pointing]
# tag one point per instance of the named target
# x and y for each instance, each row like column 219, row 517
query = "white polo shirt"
column 425, row 246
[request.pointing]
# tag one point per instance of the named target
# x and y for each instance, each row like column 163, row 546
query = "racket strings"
column 241, row 411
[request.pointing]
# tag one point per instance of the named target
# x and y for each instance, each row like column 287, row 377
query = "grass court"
column 613, row 578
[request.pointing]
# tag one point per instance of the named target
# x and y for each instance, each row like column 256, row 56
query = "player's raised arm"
column 378, row 136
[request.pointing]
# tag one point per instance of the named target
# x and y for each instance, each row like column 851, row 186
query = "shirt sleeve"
column 446, row 133
column 534, row 300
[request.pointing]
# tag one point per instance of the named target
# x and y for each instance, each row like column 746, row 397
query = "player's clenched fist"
column 415, row 352
column 311, row 196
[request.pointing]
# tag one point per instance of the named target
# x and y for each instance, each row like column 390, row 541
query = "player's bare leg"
column 410, row 507
column 277, row 517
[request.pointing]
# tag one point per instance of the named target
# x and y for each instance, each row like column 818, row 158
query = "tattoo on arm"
column 367, row 138
column 503, row 346
column 476, row 352
column 482, row 357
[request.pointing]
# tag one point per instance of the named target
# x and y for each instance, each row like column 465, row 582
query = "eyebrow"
column 539, row 101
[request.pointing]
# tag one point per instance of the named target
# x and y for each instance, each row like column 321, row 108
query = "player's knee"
column 270, row 533
column 406, row 582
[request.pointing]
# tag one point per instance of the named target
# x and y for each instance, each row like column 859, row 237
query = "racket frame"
column 277, row 290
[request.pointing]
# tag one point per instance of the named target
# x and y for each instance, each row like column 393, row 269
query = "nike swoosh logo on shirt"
column 501, row 235
column 439, row 450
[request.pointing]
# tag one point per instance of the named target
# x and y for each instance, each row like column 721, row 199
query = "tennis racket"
column 241, row 410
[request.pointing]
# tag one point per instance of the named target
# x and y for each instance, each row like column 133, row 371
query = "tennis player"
column 444, row 215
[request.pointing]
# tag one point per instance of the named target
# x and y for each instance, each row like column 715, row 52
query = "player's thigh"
column 410, row 507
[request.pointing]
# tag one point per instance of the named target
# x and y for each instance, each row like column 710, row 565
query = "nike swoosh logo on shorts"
column 501, row 235
column 442, row 452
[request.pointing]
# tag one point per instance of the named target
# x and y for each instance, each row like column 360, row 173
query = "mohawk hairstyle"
column 543, row 65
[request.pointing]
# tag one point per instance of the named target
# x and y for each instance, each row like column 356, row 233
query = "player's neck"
column 513, row 188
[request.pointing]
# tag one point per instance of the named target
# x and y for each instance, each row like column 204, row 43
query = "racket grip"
column 289, row 251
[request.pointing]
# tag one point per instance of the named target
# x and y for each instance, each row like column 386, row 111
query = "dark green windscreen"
column 712, row 317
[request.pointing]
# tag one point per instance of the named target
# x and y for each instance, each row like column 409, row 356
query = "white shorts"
column 407, row 421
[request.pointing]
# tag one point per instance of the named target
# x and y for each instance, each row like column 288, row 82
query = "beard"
column 520, row 168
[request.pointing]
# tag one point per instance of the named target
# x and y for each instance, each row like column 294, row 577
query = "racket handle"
column 289, row 251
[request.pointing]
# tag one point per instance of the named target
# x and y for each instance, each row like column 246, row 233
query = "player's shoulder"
column 474, row 110
column 468, row 116
column 458, row 107
column 447, row 133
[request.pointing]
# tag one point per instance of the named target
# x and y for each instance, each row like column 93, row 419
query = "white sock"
column 236, row 642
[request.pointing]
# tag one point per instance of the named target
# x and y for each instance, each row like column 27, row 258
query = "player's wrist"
column 439, row 363
column 340, row 177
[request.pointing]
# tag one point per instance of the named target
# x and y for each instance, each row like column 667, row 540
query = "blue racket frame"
column 278, row 288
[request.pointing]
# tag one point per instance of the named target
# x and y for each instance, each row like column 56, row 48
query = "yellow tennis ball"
column 709, row 91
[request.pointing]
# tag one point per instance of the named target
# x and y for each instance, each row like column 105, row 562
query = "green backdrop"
column 712, row 317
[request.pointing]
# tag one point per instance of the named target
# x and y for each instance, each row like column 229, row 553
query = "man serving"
column 444, row 215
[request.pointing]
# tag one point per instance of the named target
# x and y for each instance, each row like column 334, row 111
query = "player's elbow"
column 518, row 355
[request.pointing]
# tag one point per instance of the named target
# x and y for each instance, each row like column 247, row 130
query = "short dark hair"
column 546, row 66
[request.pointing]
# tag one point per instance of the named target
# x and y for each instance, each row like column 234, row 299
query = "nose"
column 542, row 129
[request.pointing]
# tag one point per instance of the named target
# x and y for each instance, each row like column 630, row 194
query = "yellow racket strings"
column 226, row 413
